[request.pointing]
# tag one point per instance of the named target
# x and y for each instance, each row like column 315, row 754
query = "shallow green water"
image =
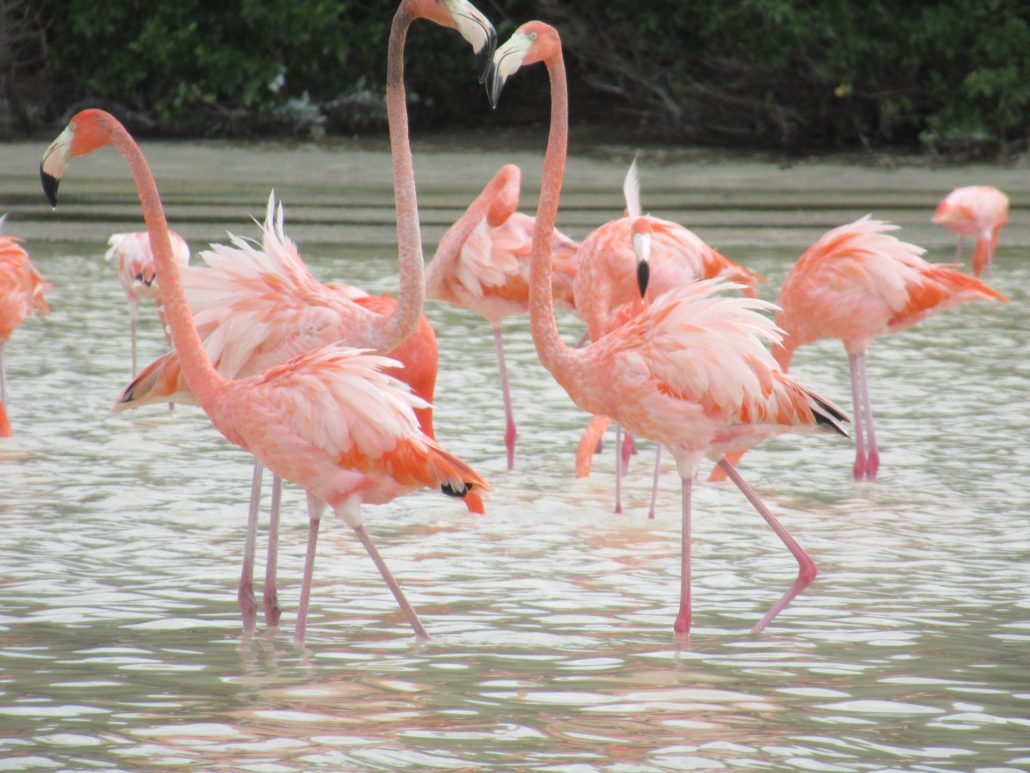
column 552, row 648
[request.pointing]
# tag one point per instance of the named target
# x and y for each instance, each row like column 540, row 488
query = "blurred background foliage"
column 950, row 76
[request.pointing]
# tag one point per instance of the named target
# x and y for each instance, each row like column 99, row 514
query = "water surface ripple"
column 121, row 647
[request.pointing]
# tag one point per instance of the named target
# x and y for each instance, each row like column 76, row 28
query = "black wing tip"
column 453, row 491
column 50, row 184
column 829, row 415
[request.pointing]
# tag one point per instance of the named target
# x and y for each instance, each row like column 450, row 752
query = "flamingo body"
column 22, row 291
column 855, row 283
column 977, row 212
column 482, row 264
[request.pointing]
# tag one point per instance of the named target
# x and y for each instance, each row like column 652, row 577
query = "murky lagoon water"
column 552, row 648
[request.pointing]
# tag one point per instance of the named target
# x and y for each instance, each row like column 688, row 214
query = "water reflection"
column 120, row 643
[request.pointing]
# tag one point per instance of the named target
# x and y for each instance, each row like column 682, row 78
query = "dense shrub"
column 798, row 75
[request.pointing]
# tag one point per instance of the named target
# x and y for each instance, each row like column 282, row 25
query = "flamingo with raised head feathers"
column 636, row 256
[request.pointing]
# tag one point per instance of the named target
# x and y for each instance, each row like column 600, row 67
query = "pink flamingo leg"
column 395, row 589
column 245, row 594
column 133, row 317
column 618, row 468
column 654, row 483
column 873, row 457
column 509, row 416
column 683, row 619
column 270, row 596
column 315, row 509
column 959, row 249
column 3, row 376
column 629, row 447
column 858, row 470
column 807, row 570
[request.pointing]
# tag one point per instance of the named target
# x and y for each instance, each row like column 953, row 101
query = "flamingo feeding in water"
column 139, row 278
column 22, row 291
column 617, row 263
column 855, row 283
column 482, row 264
column 978, row 212
column 690, row 371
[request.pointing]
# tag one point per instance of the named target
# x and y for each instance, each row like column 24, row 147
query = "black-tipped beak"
column 50, row 184
column 494, row 85
column 643, row 276
column 485, row 57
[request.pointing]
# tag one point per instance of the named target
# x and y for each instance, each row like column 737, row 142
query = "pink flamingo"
column 858, row 282
column 139, row 279
column 384, row 325
column 257, row 306
column 482, row 264
column 22, row 290
column 617, row 262
column 979, row 212
column 328, row 420
column 690, row 371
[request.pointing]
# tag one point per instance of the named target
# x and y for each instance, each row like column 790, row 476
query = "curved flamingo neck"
column 553, row 353
column 204, row 381
column 449, row 248
column 392, row 330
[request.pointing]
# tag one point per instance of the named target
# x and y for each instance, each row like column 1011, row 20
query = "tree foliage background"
column 950, row 76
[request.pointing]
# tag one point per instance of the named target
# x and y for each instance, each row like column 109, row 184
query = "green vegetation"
column 951, row 75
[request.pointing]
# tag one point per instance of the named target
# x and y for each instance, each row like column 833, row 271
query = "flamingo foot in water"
column 248, row 607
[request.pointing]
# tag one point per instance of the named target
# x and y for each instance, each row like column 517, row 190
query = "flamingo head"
column 534, row 41
column 642, row 236
column 468, row 21
column 87, row 131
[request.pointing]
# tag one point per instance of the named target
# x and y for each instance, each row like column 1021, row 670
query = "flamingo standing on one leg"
column 139, row 279
column 257, row 306
column 690, row 371
column 482, row 264
column 617, row 263
column 22, row 290
column 979, row 212
column 858, row 282
column 326, row 420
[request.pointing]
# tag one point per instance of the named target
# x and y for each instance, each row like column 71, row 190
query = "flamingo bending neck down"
column 482, row 264
column 855, row 283
column 370, row 451
column 690, row 372
column 22, row 291
column 138, row 276
column 978, row 212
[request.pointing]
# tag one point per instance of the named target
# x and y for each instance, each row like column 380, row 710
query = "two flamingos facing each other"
column 691, row 371
column 22, row 291
column 139, row 276
column 975, row 212
column 482, row 264
column 623, row 265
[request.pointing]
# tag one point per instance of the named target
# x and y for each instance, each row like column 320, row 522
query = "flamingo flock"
column 331, row 389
